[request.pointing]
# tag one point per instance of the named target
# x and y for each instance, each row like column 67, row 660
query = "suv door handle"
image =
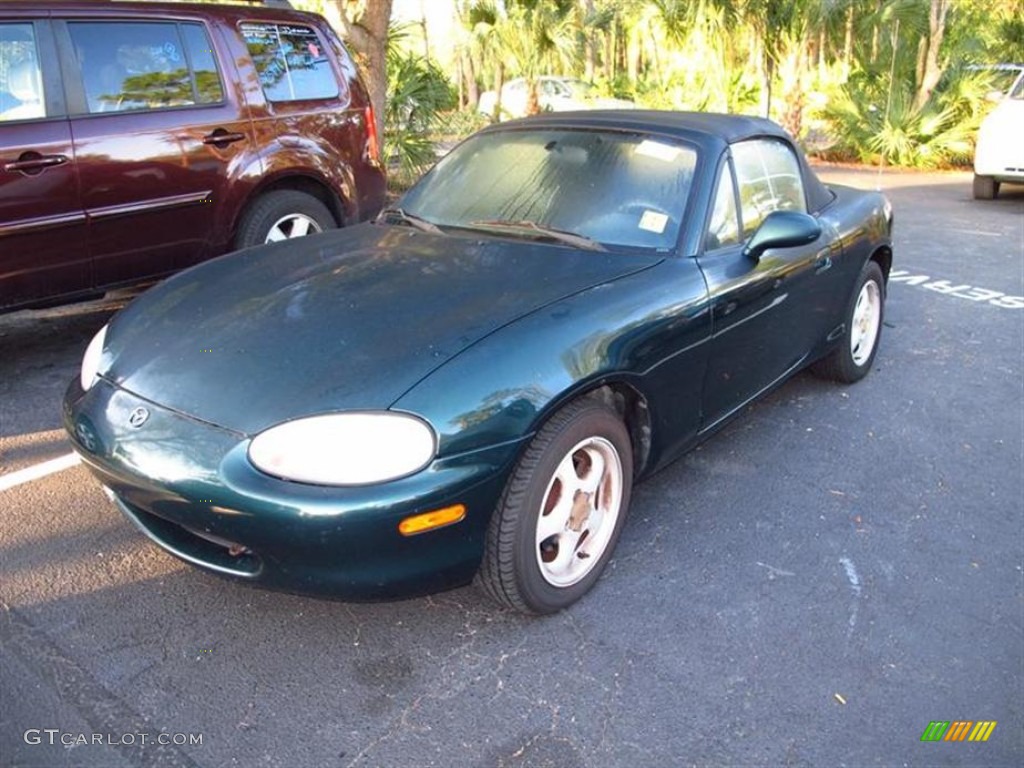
column 33, row 161
column 221, row 138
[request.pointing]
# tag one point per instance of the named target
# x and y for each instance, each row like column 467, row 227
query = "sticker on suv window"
column 291, row 62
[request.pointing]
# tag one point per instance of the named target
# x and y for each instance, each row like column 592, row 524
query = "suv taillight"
column 372, row 140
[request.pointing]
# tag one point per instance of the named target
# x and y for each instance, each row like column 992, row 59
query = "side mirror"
column 782, row 229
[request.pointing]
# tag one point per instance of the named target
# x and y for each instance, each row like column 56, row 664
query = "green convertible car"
column 471, row 384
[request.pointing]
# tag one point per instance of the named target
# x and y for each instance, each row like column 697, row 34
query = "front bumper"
column 188, row 485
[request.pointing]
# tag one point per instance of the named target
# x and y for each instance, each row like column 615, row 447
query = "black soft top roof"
column 710, row 131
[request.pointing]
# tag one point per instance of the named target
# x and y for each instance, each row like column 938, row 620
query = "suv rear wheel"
column 283, row 215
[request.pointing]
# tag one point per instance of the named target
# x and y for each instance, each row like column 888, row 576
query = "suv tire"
column 285, row 212
column 985, row 187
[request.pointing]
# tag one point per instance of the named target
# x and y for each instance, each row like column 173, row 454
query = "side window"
column 769, row 178
column 137, row 65
column 204, row 64
column 21, row 81
column 724, row 227
column 1018, row 90
column 292, row 62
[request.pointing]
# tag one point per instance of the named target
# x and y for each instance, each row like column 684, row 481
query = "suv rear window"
column 143, row 65
column 292, row 62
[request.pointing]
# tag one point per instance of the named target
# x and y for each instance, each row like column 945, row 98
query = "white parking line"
column 29, row 474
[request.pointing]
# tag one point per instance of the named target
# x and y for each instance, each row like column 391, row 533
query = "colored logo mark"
column 958, row 730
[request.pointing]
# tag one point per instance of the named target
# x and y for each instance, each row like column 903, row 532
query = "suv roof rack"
column 271, row 3
column 268, row 3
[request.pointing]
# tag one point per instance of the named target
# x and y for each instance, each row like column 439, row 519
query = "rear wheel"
column 985, row 187
column 562, row 511
column 852, row 359
column 283, row 215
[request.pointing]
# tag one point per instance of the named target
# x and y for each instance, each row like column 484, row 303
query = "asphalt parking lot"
column 813, row 586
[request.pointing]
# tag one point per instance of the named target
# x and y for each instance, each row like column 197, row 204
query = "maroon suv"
column 140, row 138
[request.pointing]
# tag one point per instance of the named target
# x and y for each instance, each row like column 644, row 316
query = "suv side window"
column 143, row 65
column 291, row 60
column 769, row 178
column 204, row 64
column 21, row 81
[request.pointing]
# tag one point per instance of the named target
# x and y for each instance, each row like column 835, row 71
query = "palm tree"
column 527, row 38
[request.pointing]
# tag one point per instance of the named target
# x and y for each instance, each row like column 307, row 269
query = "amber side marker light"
column 429, row 521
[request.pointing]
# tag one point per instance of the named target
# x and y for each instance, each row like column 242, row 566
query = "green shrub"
column 418, row 94
column 874, row 123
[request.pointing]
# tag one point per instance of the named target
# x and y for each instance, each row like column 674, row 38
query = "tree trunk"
column 822, row 53
column 793, row 77
column 589, row 43
column 426, row 37
column 472, row 89
column 367, row 36
column 532, row 97
column 766, row 85
column 922, row 55
column 656, row 60
column 609, row 52
column 499, row 82
column 460, row 79
column 932, row 68
column 633, row 55
column 848, row 45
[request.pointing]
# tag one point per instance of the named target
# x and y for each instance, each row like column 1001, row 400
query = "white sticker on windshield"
column 664, row 152
column 653, row 221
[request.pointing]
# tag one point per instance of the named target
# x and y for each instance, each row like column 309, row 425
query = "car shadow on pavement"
column 40, row 352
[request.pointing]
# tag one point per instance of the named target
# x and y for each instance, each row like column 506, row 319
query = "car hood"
column 351, row 319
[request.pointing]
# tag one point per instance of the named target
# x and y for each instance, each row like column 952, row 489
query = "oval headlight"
column 91, row 359
column 345, row 448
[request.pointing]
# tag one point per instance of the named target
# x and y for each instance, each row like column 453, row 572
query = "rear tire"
column 852, row 359
column 985, row 187
column 560, row 516
column 283, row 215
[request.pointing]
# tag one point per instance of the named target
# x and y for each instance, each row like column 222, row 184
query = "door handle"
column 33, row 161
column 221, row 138
column 823, row 261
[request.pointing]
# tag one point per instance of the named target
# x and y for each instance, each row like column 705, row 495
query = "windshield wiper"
column 410, row 218
column 560, row 235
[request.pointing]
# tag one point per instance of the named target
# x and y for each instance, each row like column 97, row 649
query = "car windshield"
column 1003, row 79
column 624, row 190
column 1018, row 90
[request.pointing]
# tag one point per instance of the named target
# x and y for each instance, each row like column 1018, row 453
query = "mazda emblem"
column 138, row 417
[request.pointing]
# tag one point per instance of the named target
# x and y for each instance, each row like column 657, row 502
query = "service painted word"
column 961, row 291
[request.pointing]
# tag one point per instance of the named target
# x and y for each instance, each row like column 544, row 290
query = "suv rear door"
column 312, row 112
column 43, row 250
column 157, row 137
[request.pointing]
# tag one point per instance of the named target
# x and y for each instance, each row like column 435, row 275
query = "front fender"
column 648, row 330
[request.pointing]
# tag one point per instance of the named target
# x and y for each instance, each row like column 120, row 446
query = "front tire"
column 562, row 511
column 985, row 187
column 283, row 215
column 852, row 359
